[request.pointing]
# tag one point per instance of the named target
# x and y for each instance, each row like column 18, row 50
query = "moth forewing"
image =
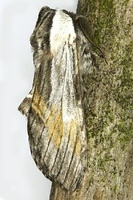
column 56, row 126
column 24, row 107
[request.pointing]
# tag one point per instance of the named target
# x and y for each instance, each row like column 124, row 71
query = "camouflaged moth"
column 54, row 106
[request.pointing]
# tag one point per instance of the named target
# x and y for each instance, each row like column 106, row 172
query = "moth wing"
column 55, row 122
column 24, row 107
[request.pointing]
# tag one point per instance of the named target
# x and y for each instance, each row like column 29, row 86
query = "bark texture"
column 109, row 110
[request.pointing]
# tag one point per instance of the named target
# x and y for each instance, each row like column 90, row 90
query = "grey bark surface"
column 109, row 109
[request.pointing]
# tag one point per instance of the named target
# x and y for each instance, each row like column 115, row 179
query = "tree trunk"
column 109, row 115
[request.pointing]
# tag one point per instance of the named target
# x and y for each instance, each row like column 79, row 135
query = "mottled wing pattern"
column 54, row 107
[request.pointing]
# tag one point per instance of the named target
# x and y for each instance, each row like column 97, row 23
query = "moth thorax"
column 62, row 31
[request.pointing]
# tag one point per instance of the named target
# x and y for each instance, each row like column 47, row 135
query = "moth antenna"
column 102, row 55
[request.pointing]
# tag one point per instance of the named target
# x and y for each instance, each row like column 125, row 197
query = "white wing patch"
column 62, row 31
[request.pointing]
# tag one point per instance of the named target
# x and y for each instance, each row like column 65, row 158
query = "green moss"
column 102, row 14
column 115, row 188
column 110, row 95
column 125, row 98
column 126, row 134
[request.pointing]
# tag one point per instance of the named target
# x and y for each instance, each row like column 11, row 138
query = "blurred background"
column 20, row 179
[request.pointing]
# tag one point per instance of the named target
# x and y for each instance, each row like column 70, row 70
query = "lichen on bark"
column 109, row 110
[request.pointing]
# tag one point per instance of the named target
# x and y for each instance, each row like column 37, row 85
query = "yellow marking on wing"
column 73, row 136
column 55, row 125
column 53, row 121
column 39, row 105
column 78, row 147
column 55, row 128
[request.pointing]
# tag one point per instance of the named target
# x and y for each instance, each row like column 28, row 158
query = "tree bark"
column 109, row 116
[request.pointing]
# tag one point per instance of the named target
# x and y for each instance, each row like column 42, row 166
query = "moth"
column 54, row 107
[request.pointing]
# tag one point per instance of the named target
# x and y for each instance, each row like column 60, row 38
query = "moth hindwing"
column 54, row 106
